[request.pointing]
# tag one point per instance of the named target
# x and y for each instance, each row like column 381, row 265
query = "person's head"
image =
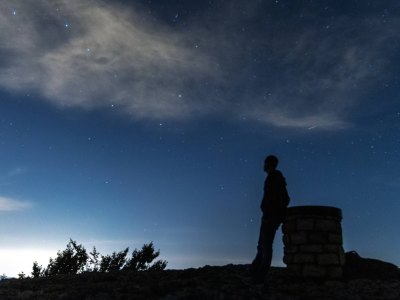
column 270, row 163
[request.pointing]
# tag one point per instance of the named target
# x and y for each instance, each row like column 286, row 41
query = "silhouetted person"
column 273, row 206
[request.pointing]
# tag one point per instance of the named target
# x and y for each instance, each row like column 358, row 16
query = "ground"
column 226, row 282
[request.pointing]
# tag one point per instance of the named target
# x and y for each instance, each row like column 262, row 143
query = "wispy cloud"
column 16, row 172
column 8, row 205
column 89, row 54
column 92, row 54
column 394, row 182
column 322, row 74
column 9, row 177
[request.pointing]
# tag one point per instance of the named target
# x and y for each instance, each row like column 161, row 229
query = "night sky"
column 125, row 122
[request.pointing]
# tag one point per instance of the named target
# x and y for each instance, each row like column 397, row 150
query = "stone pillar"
column 312, row 236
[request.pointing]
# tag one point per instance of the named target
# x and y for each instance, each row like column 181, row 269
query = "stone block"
column 286, row 239
column 295, row 269
column 335, row 272
column 290, row 249
column 335, row 238
column 311, row 248
column 289, row 227
column 332, row 248
column 305, row 224
column 328, row 259
column 288, row 259
column 290, row 218
column 303, row 258
column 321, row 211
column 332, row 218
column 342, row 256
column 318, row 237
column 299, row 238
column 327, row 225
column 314, row 271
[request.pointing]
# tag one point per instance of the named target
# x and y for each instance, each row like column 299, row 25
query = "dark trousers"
column 262, row 261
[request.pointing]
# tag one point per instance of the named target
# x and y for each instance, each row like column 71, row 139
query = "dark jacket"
column 276, row 197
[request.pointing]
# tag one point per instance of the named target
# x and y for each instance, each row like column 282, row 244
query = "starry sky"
column 125, row 122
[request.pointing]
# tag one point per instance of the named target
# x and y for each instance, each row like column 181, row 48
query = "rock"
column 359, row 267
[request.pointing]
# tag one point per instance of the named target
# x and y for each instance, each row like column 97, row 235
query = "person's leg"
column 262, row 261
column 258, row 260
column 269, row 235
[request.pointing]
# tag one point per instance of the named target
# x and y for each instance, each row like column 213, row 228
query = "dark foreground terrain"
column 227, row 282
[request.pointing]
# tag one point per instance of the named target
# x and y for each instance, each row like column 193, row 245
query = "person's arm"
column 264, row 200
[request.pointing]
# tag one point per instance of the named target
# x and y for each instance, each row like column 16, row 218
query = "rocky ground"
column 227, row 282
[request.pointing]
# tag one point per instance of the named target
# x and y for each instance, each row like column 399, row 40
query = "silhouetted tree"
column 70, row 261
column 94, row 261
column 141, row 259
column 159, row 265
column 74, row 259
column 115, row 262
column 36, row 270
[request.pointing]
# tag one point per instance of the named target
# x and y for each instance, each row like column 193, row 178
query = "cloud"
column 8, row 204
column 286, row 72
column 16, row 172
column 394, row 182
column 99, row 55
column 9, row 177
column 320, row 77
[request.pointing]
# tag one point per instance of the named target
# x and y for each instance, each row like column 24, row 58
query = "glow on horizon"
column 16, row 260
column 124, row 123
